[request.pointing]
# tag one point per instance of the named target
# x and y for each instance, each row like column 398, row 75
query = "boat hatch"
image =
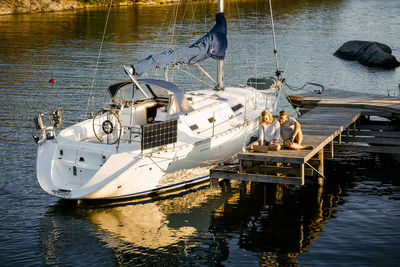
column 262, row 83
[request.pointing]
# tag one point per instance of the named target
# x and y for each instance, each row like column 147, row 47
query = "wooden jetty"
column 385, row 106
column 329, row 123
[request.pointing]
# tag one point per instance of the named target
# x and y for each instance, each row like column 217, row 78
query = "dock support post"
column 214, row 182
column 302, row 173
column 321, row 162
column 241, row 166
column 329, row 153
column 340, row 138
column 321, row 166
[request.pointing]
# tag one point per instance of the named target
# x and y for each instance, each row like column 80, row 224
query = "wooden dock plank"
column 326, row 124
column 350, row 99
column 250, row 177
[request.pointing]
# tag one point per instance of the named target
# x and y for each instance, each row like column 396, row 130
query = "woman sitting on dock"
column 268, row 132
column 291, row 132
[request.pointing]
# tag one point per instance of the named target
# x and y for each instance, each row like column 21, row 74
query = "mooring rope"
column 293, row 88
column 290, row 101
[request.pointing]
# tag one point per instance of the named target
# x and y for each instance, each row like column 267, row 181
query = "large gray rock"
column 371, row 54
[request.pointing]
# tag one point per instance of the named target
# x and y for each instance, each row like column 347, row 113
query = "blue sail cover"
column 213, row 44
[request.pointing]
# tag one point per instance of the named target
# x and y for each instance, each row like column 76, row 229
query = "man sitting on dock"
column 291, row 132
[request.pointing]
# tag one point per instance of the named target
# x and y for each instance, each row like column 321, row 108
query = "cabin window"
column 194, row 127
column 236, row 107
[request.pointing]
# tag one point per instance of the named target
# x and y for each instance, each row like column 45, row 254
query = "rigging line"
column 98, row 57
column 274, row 40
column 257, row 38
column 241, row 31
column 165, row 43
column 193, row 17
column 205, row 15
column 184, row 14
column 176, row 7
column 175, row 30
column 190, row 29
column 193, row 76
column 205, row 73
column 150, row 157
column 155, row 48
column 206, row 162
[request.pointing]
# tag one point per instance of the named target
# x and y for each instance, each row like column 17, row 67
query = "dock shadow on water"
column 235, row 224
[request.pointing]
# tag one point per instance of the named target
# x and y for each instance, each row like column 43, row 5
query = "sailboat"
column 152, row 136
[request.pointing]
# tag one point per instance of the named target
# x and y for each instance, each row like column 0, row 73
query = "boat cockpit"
column 154, row 100
column 135, row 105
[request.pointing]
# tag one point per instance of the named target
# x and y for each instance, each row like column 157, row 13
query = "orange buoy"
column 52, row 80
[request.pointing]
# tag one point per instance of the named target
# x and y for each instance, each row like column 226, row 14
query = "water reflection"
column 64, row 46
column 139, row 231
column 211, row 226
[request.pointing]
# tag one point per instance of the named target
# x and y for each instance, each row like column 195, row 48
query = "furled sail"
column 212, row 44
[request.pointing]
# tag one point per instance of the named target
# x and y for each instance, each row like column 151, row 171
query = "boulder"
column 372, row 54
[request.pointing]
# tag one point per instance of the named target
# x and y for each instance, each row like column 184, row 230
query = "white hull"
column 75, row 165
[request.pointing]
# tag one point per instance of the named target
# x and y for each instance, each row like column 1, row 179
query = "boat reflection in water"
column 155, row 224
column 146, row 230
column 233, row 223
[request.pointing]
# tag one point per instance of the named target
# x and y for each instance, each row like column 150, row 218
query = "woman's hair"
column 269, row 117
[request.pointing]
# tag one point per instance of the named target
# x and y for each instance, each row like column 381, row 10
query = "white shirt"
column 269, row 132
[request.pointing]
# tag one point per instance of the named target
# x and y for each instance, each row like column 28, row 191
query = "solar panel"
column 159, row 134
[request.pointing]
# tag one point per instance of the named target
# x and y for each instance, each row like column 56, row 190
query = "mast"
column 220, row 62
column 278, row 72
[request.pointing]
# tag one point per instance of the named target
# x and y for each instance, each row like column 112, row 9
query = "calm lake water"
column 353, row 220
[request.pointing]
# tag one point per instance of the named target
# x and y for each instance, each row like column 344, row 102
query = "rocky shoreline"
column 9, row 7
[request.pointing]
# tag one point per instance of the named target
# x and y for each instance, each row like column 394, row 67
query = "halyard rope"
column 98, row 58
